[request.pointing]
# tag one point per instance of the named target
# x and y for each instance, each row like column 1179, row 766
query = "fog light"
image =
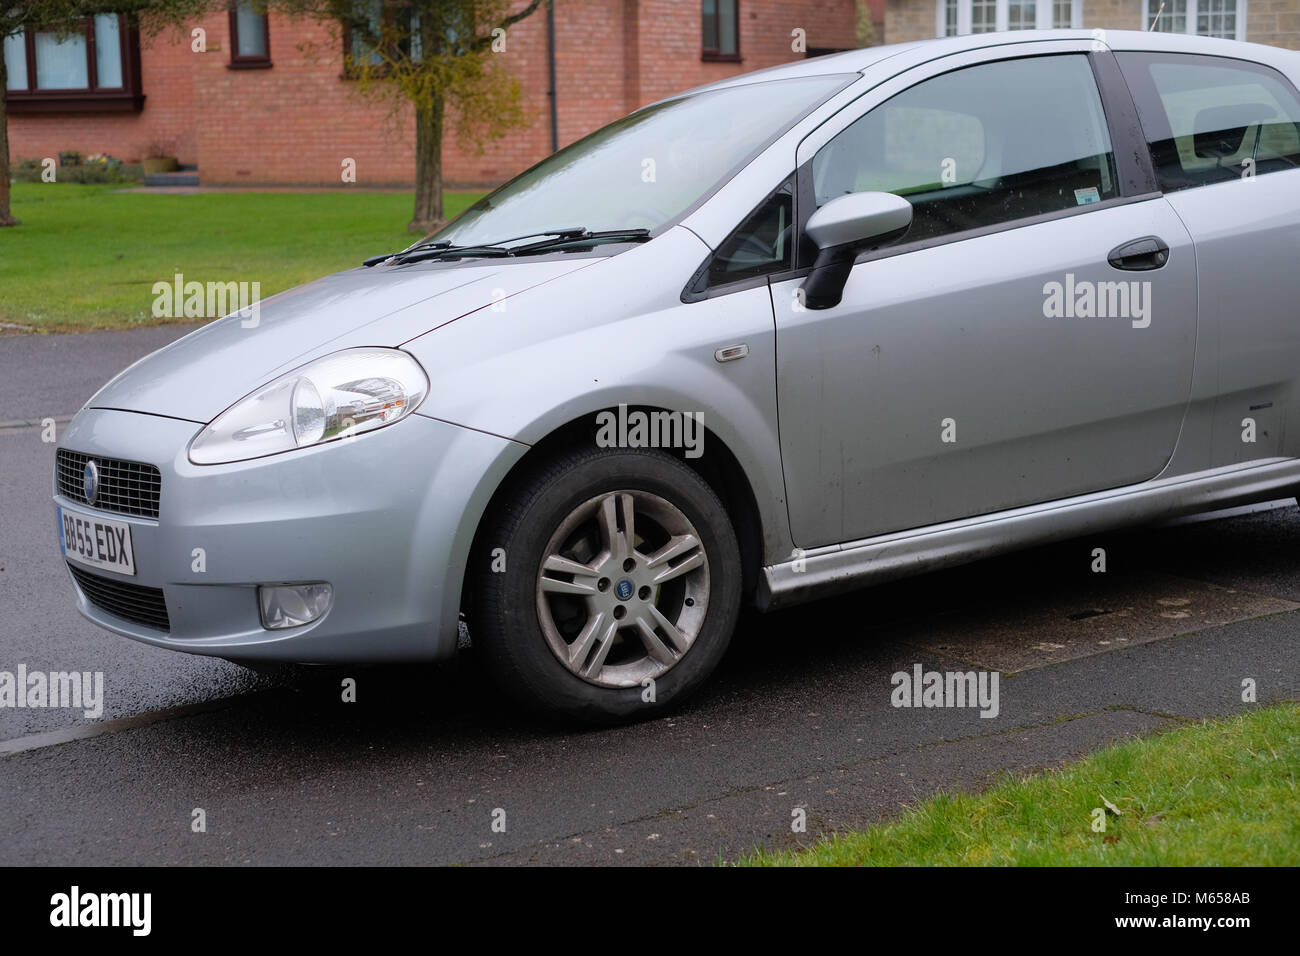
column 293, row 605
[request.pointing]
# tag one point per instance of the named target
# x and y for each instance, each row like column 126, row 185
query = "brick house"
column 257, row 107
column 1276, row 22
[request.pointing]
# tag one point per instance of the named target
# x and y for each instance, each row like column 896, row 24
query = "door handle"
column 1140, row 255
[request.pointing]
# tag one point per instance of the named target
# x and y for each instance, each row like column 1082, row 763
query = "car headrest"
column 1223, row 128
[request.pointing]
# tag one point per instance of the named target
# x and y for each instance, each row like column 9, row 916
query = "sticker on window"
column 1084, row 196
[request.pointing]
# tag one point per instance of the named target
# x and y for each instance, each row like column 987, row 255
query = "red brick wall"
column 296, row 122
column 671, row 35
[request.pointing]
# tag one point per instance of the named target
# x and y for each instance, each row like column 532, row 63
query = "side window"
column 980, row 146
column 761, row 244
column 1209, row 119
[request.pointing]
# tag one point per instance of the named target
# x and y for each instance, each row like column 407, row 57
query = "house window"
column 250, row 44
column 15, row 53
column 382, row 29
column 960, row 17
column 1021, row 14
column 721, row 29
column 1208, row 18
column 95, row 67
column 62, row 63
column 108, row 59
column 1217, row 18
column 1170, row 16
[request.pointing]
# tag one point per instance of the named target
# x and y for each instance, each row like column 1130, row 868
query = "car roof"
column 857, row 61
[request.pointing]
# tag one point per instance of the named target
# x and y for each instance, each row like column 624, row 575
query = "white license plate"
column 98, row 542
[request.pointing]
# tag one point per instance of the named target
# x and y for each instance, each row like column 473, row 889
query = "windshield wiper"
column 448, row 251
column 584, row 238
column 375, row 260
column 443, row 247
column 433, row 250
column 567, row 236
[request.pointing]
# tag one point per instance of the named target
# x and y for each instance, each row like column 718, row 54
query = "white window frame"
column 1149, row 8
column 1042, row 15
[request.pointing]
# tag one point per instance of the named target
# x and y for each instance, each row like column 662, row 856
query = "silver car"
column 790, row 334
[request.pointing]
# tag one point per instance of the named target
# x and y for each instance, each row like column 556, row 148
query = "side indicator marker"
column 731, row 353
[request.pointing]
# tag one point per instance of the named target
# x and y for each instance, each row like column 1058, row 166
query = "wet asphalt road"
column 798, row 716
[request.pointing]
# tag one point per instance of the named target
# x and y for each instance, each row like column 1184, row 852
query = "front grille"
column 134, row 602
column 125, row 487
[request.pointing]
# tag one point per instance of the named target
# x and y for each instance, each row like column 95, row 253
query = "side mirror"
column 841, row 229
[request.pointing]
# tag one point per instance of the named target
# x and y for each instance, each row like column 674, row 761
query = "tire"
column 578, row 625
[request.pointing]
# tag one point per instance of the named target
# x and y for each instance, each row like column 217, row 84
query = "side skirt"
column 838, row 568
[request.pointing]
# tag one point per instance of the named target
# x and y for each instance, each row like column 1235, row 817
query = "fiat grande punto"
column 804, row 330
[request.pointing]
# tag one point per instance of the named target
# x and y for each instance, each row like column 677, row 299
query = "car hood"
column 202, row 374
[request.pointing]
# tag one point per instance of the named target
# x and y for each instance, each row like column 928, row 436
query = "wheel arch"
column 720, row 468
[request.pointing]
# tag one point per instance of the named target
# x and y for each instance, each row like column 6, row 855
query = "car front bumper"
column 386, row 518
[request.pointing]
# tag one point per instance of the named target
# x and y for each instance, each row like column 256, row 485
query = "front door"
column 996, row 357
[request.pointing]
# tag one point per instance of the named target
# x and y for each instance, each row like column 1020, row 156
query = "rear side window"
column 1211, row 119
column 980, row 146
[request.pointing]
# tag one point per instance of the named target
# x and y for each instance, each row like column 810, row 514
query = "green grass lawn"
column 1218, row 793
column 87, row 257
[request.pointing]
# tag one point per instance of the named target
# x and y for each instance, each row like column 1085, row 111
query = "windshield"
column 646, row 169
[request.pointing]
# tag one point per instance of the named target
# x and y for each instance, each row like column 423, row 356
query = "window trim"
column 716, row 55
column 1149, row 9
column 91, row 98
column 1043, row 12
column 885, row 252
column 238, row 62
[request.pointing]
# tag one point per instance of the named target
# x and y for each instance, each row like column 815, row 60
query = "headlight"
column 347, row 393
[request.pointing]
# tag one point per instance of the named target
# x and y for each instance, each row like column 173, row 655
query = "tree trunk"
column 6, row 219
column 428, row 169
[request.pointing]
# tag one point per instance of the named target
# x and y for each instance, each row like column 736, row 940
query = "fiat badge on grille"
column 90, row 481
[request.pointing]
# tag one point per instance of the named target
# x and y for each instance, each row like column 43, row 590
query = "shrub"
column 99, row 170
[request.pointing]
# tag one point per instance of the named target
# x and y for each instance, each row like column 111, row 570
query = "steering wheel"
column 753, row 249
